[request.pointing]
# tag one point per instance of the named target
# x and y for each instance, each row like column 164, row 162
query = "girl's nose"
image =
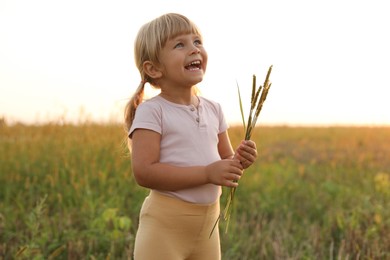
column 195, row 50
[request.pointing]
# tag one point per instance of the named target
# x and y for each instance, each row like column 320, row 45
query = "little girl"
column 179, row 145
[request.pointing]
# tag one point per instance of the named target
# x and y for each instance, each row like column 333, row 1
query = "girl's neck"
column 187, row 97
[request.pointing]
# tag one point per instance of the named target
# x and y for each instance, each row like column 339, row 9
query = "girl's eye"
column 197, row 42
column 179, row 45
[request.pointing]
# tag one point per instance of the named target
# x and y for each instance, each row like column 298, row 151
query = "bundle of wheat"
column 257, row 100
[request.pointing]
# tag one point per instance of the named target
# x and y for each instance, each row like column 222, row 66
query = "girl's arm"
column 224, row 146
column 150, row 173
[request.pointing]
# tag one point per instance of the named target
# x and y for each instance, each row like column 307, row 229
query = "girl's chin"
column 196, row 81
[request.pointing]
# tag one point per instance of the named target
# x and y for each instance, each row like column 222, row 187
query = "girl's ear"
column 151, row 70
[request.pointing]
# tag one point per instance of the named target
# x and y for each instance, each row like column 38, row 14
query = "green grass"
column 67, row 192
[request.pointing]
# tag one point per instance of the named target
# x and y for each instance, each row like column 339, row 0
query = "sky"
column 72, row 61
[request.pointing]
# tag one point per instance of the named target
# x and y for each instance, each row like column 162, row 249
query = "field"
column 67, row 192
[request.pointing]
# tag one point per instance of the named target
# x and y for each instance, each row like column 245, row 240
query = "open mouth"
column 195, row 65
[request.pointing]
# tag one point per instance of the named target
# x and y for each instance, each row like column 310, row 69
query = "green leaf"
column 241, row 109
column 124, row 223
column 109, row 214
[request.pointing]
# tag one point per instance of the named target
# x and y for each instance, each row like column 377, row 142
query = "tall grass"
column 314, row 194
column 66, row 192
column 73, row 185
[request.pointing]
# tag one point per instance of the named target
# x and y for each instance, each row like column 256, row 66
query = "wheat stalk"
column 258, row 98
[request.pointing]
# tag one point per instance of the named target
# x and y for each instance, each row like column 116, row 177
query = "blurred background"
column 67, row 191
column 72, row 61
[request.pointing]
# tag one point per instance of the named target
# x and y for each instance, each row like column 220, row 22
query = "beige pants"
column 172, row 229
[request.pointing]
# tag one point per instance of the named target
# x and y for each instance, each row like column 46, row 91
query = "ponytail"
column 132, row 105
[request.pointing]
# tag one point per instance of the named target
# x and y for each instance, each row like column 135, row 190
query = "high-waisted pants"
column 172, row 229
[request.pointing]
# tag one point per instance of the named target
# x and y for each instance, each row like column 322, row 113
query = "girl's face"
column 183, row 61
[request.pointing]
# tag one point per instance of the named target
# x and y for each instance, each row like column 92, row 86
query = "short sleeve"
column 147, row 116
column 223, row 126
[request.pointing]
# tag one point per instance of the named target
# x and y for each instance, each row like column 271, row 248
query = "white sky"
column 74, row 58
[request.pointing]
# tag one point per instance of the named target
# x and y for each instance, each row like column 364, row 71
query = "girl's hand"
column 246, row 153
column 224, row 172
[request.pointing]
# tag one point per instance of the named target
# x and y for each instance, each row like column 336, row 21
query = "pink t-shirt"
column 189, row 137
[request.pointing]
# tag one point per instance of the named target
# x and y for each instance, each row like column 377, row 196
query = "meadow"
column 67, row 192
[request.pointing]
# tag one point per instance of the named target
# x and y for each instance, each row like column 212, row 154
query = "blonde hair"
column 150, row 39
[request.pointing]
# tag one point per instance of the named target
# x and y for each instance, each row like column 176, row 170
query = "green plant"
column 258, row 98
